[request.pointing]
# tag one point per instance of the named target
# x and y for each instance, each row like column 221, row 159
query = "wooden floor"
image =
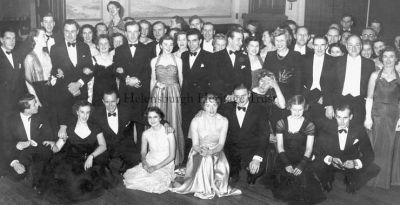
column 16, row 193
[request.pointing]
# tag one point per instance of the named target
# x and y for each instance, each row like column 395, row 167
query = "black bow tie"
column 193, row 53
column 8, row 52
column 241, row 108
column 232, row 52
column 342, row 130
column 112, row 114
column 132, row 44
column 71, row 44
column 49, row 36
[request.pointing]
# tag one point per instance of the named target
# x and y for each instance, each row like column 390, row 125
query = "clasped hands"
column 133, row 81
column 348, row 164
column 296, row 171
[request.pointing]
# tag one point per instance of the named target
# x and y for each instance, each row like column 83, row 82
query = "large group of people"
column 139, row 103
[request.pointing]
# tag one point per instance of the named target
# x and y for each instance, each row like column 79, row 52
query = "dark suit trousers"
column 240, row 159
column 126, row 150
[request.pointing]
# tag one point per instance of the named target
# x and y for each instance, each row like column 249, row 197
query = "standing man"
column 132, row 64
column 159, row 30
column 48, row 24
column 196, row 22
column 208, row 34
column 302, row 38
column 347, row 23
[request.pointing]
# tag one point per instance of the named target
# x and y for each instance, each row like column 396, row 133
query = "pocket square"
column 355, row 141
column 40, row 126
column 243, row 66
column 33, row 143
column 83, row 56
column 202, row 65
column 19, row 65
column 127, row 124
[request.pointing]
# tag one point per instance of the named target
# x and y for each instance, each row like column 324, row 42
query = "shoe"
column 327, row 186
column 350, row 185
column 251, row 179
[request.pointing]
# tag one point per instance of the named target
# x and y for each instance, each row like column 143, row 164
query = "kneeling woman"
column 78, row 172
column 156, row 171
column 295, row 138
column 207, row 170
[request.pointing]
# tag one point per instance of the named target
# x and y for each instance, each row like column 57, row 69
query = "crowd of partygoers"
column 143, row 104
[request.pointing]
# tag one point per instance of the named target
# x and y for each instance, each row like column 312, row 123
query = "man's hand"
column 89, row 162
column 337, row 163
column 349, row 164
column 329, row 112
column 254, row 166
column 74, row 87
column 23, row 145
column 168, row 128
column 120, row 70
column 19, row 168
column 60, row 73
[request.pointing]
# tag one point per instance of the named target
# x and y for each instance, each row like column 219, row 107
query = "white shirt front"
column 133, row 49
column 26, row 121
column 208, row 46
column 352, row 78
column 317, row 71
column 342, row 139
column 72, row 53
column 240, row 114
column 301, row 50
column 9, row 57
column 192, row 59
column 158, row 49
column 113, row 121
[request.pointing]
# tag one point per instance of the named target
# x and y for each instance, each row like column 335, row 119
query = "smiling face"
column 154, row 119
column 48, row 24
column 110, row 102
column 87, row 35
column 101, row 29
column 132, row 33
column 144, row 27
column 378, row 47
column 193, row 43
column 40, row 39
column 208, row 32
column 236, row 41
column 389, row 59
column 113, row 10
column 182, row 41
column 211, row 107
column 266, row 38
column 280, row 42
column 354, row 46
column 83, row 113
column 167, row 46
column 197, row 24
column 302, row 36
column 103, row 45
column 253, row 48
column 70, row 33
column 320, row 46
column 159, row 31
column 366, row 51
column 333, row 36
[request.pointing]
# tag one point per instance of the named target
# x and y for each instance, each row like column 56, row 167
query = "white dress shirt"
column 133, row 49
column 158, row 49
column 301, row 50
column 72, row 53
column 208, row 46
column 317, row 71
column 9, row 57
column 353, row 76
column 26, row 121
column 192, row 59
column 113, row 121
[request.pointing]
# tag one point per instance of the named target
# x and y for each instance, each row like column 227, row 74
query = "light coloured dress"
column 168, row 99
column 207, row 176
column 158, row 181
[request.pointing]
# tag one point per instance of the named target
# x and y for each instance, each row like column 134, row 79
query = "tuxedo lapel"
column 364, row 76
column 228, row 59
column 197, row 61
column 20, row 128
column 350, row 138
column 5, row 59
column 247, row 117
column 341, row 71
column 35, row 123
column 64, row 52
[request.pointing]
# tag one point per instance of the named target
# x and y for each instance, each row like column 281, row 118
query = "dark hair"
column 194, row 17
column 81, row 103
column 132, row 23
column 210, row 97
column 159, row 22
column 285, row 32
column 23, row 102
column 250, row 39
column 302, row 27
column 343, row 107
column 34, row 33
column 157, row 110
column 71, row 22
column 241, row 86
column 219, row 36
column 297, row 100
column 320, row 37
column 208, row 23
column 181, row 20
column 177, row 30
column 89, row 27
column 194, row 31
column 99, row 24
column 48, row 14
column 347, row 15
column 5, row 30
column 338, row 45
column 232, row 31
column 128, row 18
column 254, row 23
column 166, row 37
column 125, row 41
column 389, row 49
column 118, row 5
column 103, row 36
column 110, row 92
column 264, row 73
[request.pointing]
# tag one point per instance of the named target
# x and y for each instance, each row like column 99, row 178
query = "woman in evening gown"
column 382, row 116
column 78, row 171
column 294, row 180
column 166, row 81
column 156, row 171
column 207, row 169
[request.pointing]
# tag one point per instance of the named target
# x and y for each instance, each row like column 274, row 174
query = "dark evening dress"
column 104, row 80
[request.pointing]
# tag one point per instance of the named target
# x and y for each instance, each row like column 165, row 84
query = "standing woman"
column 156, row 171
column 181, row 42
column 165, row 88
column 145, row 32
column 116, row 24
column 284, row 63
column 295, row 181
column 267, row 44
column 382, row 116
column 87, row 35
column 103, row 72
column 256, row 63
column 38, row 67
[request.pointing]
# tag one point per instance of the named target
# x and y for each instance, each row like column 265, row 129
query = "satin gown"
column 207, row 176
column 384, row 139
column 158, row 181
column 168, row 99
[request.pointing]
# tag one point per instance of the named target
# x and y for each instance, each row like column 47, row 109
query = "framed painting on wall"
column 84, row 10
column 184, row 8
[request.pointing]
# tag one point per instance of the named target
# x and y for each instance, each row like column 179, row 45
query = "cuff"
column 81, row 82
column 13, row 162
column 257, row 158
column 328, row 160
column 358, row 164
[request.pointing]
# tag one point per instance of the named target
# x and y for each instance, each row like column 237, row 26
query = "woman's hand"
column 62, row 133
column 151, row 169
column 160, row 85
column 368, row 123
column 289, row 169
column 145, row 165
column 89, row 162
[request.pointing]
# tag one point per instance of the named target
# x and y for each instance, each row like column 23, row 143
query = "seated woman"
column 207, row 170
column 156, row 171
column 78, row 172
column 294, row 181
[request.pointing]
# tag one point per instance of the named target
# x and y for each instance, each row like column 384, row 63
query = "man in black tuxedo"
column 248, row 135
column 302, row 38
column 53, row 37
column 196, row 66
column 317, row 74
column 132, row 64
column 25, row 133
column 115, row 122
column 343, row 146
column 159, row 30
column 232, row 66
column 350, row 81
column 72, row 64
